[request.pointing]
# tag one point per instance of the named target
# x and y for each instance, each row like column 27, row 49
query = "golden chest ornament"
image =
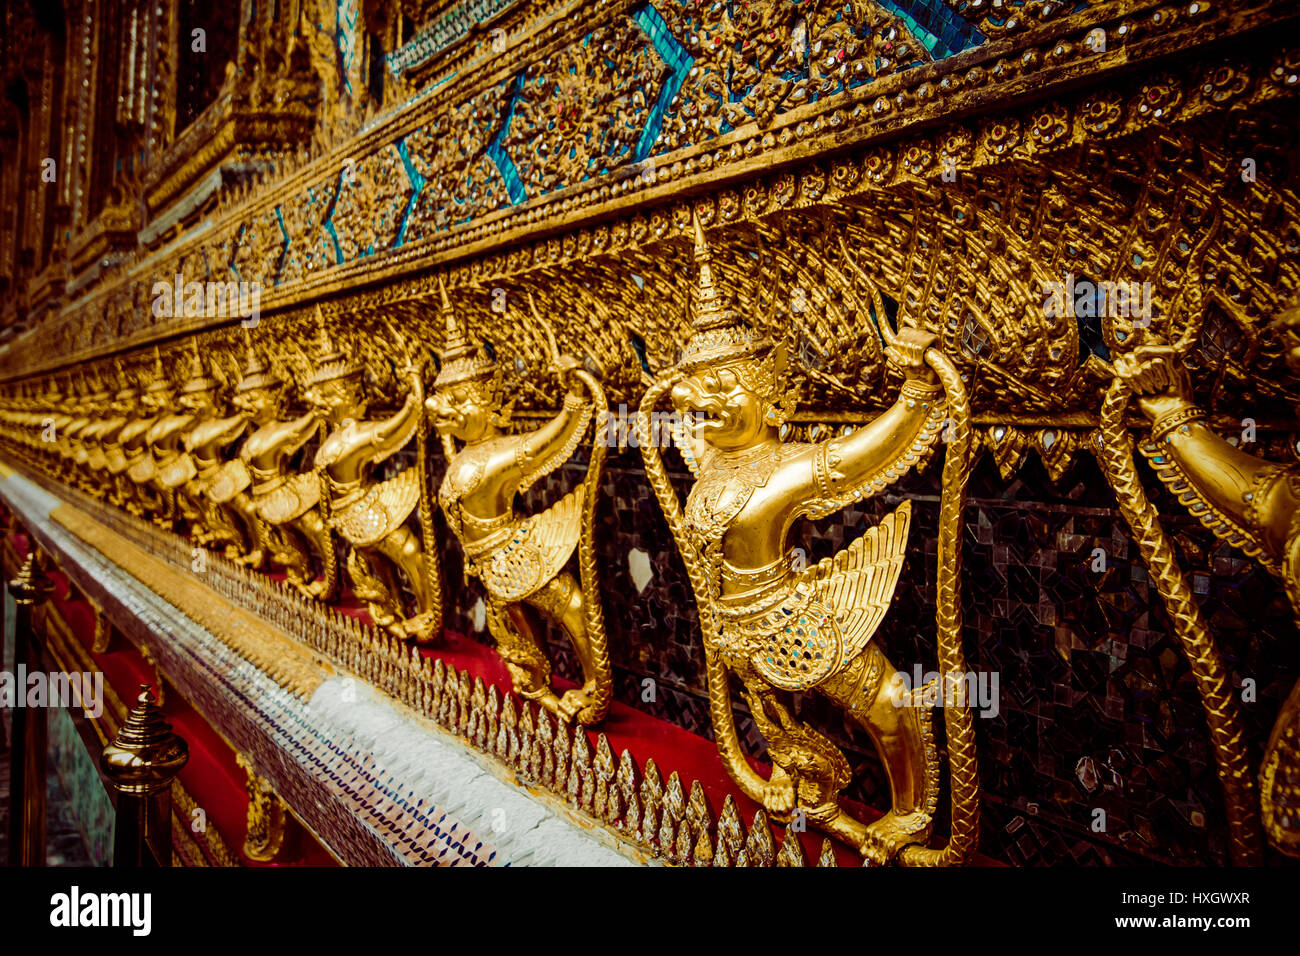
column 338, row 443
column 795, row 627
column 513, row 556
column 724, row 486
column 464, row 474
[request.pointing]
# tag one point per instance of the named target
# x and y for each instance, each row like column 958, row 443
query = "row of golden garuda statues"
column 227, row 472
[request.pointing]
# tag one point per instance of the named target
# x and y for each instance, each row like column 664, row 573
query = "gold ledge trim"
column 572, row 771
column 274, row 653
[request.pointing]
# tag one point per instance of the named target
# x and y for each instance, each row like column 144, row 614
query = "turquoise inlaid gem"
column 243, row 228
column 505, row 165
column 329, row 220
column 418, row 182
column 673, row 54
column 284, row 253
column 939, row 28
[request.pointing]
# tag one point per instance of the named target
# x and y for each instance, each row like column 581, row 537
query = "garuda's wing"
column 536, row 552
column 231, row 478
column 380, row 511
column 837, row 605
column 290, row 500
column 858, row 583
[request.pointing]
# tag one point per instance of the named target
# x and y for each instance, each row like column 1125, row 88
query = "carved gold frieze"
column 250, row 231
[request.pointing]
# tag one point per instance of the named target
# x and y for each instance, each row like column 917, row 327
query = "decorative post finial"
column 146, row 754
column 31, row 585
column 140, row 763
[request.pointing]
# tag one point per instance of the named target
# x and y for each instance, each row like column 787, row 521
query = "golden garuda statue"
column 184, row 465
column 370, row 514
column 285, row 502
column 88, row 457
column 220, row 479
column 1251, row 503
column 521, row 560
column 782, row 627
column 71, row 443
column 119, row 411
column 58, row 415
column 130, row 459
column 168, row 467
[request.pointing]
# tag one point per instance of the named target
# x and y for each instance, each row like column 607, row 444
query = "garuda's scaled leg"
column 807, row 769
column 900, row 729
column 561, row 600
column 372, row 583
column 520, row 646
column 241, row 510
column 288, row 550
column 403, row 549
column 313, row 528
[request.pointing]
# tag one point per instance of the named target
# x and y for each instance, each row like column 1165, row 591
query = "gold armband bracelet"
column 1167, row 423
column 919, row 388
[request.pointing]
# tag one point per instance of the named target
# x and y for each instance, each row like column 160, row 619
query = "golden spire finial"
column 257, row 371
column 157, row 382
column 708, row 310
column 701, row 242
column 446, row 302
column 455, row 339
column 330, row 360
column 460, row 358
column 323, row 341
column 719, row 335
column 198, row 378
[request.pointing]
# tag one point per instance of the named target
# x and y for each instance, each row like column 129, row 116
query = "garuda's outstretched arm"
column 299, row 430
column 546, row 448
column 878, row 453
column 1233, row 492
column 391, row 434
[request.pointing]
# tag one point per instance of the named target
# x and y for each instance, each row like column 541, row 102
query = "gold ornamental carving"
column 521, row 560
column 781, row 629
column 1249, row 502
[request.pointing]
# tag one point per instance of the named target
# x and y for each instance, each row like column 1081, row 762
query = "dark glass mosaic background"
column 1097, row 707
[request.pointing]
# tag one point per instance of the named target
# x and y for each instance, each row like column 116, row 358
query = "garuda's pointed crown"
column 128, row 383
column 329, row 361
column 198, row 378
column 98, row 389
column 719, row 335
column 462, row 360
column 257, row 371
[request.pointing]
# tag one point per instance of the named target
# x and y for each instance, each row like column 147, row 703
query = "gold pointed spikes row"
column 330, row 362
column 655, row 816
column 462, row 360
column 719, row 336
column 257, row 371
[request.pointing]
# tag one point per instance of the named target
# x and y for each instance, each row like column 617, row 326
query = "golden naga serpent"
column 588, row 576
column 432, row 564
column 1227, row 734
column 963, row 764
column 328, row 554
